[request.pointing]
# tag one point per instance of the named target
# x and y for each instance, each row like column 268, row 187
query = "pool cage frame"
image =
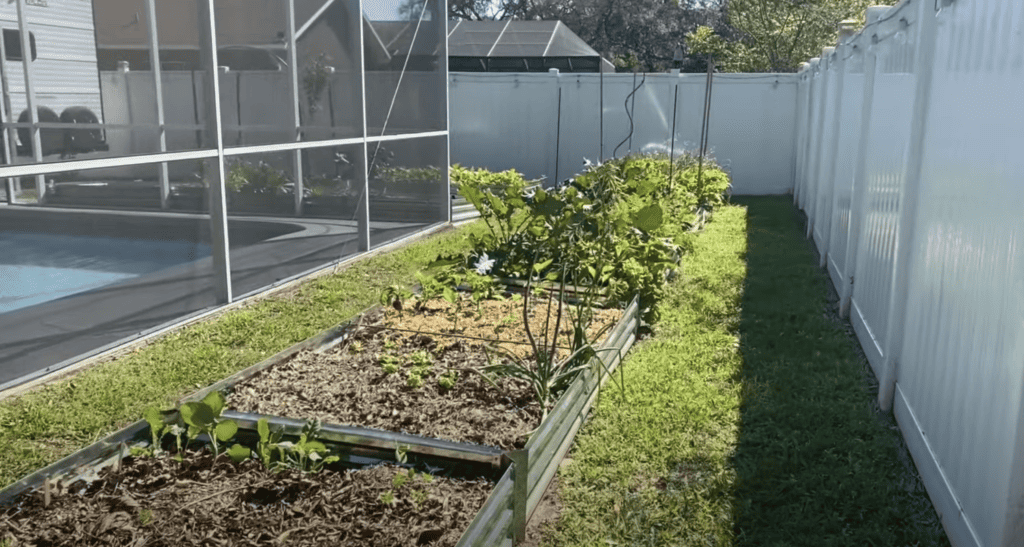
column 213, row 153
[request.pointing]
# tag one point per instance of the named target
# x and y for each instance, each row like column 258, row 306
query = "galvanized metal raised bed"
column 502, row 519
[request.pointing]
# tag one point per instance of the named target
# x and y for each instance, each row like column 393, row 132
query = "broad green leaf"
column 216, row 402
column 154, row 418
column 239, row 453
column 649, row 218
column 541, row 266
column 316, row 446
column 225, row 430
column 263, row 427
column 198, row 415
column 449, row 295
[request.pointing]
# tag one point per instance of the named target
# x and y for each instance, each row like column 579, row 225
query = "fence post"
column 859, row 194
column 812, row 210
column 909, row 196
column 556, row 79
column 801, row 135
column 812, row 98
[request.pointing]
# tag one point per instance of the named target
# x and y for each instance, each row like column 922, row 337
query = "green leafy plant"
column 388, row 498
column 421, row 359
column 390, row 344
column 145, row 516
column 448, row 379
column 244, row 177
column 389, row 363
column 356, row 346
column 544, row 371
column 307, row 454
column 194, row 419
column 414, row 379
column 395, row 297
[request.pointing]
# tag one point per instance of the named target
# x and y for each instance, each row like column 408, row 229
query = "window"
column 12, row 44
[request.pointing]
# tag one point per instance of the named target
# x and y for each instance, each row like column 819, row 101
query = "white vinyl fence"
column 910, row 166
column 544, row 125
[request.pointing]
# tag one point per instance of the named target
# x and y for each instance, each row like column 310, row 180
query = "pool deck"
column 40, row 339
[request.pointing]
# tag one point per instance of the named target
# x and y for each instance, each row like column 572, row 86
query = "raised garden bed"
column 233, row 492
column 347, row 384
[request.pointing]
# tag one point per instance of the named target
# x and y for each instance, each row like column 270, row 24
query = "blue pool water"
column 36, row 268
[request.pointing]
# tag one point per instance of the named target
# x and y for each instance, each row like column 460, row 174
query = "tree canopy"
column 743, row 35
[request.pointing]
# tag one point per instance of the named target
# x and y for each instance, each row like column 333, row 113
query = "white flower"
column 529, row 193
column 483, row 264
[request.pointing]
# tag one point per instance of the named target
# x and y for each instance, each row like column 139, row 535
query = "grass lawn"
column 46, row 424
column 749, row 417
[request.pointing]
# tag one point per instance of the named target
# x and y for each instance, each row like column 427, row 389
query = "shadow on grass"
column 815, row 463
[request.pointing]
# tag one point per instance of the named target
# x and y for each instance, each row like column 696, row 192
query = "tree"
column 778, row 35
column 641, row 34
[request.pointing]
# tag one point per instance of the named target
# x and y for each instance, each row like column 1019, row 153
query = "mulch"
column 162, row 502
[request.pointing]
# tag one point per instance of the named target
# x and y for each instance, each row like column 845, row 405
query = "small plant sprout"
column 388, row 498
column 390, row 344
column 418, row 497
column 356, row 346
column 414, row 380
column 399, row 479
column 401, row 453
column 421, row 359
column 389, row 363
column 395, row 296
column 194, row 419
column 145, row 517
column 447, row 381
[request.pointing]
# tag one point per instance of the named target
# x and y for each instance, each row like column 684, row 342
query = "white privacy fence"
column 911, row 171
column 544, row 125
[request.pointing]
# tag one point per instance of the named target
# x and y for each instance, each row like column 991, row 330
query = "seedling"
column 414, row 380
column 447, row 381
column 395, row 296
column 145, row 517
column 389, row 363
column 356, row 347
column 195, row 419
column 388, row 498
column 421, row 358
column 418, row 497
column 390, row 344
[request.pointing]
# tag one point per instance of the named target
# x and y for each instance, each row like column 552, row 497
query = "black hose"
column 629, row 113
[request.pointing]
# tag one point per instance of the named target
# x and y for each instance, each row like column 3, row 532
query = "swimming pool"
column 39, row 267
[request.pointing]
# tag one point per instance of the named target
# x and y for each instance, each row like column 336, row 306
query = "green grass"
column 44, row 425
column 749, row 418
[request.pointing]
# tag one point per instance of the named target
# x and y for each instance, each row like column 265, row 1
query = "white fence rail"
column 910, row 168
column 544, row 125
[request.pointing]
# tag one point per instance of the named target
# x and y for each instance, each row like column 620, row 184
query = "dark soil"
column 348, row 385
column 161, row 502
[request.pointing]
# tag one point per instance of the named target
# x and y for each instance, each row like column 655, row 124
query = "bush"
column 622, row 225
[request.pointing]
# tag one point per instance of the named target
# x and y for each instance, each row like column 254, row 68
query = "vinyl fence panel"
column 935, row 229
